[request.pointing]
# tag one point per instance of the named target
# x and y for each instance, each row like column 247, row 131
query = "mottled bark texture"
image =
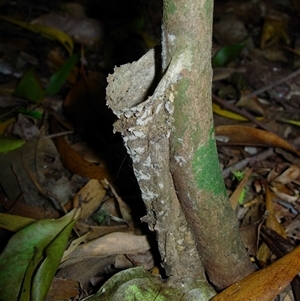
column 170, row 139
column 146, row 126
column 193, row 157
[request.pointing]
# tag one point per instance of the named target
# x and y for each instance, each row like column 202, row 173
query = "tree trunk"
column 194, row 161
column 170, row 139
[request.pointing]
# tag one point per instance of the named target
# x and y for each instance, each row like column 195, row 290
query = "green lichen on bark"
column 193, row 156
column 169, row 8
column 206, row 168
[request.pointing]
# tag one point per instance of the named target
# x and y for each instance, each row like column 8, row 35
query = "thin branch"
column 242, row 112
column 243, row 163
column 274, row 84
column 56, row 135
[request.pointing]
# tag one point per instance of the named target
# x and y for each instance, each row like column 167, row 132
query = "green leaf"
column 227, row 54
column 14, row 222
column 7, row 145
column 239, row 175
column 289, row 121
column 136, row 284
column 45, row 274
column 59, row 77
column 26, row 285
column 32, row 255
column 242, row 196
column 29, row 87
column 34, row 114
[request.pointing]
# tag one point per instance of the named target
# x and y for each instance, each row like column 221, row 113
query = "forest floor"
column 57, row 144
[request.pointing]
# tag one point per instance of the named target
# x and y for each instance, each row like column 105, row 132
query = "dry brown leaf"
column 76, row 163
column 86, row 107
column 74, row 244
column 84, row 270
column 111, row 244
column 25, row 129
column 265, row 284
column 252, row 104
column 285, row 196
column 99, row 231
column 271, row 220
column 248, row 235
column 293, row 229
column 291, row 174
column 124, row 208
column 21, row 209
column 91, row 195
column 85, row 150
column 274, row 29
column 63, row 289
column 243, row 135
column 264, row 252
column 83, row 30
column 122, row 262
column 278, row 185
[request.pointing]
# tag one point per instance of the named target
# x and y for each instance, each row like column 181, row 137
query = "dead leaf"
column 252, row 104
column 99, row 231
column 86, row 107
column 285, row 196
column 271, row 220
column 88, row 153
column 5, row 124
column 91, row 196
column 274, row 29
column 278, row 185
column 63, row 289
column 74, row 244
column 76, row 163
column 248, row 235
column 24, row 128
column 48, row 32
column 265, row 284
column 83, row 30
column 111, row 244
column 243, row 135
column 281, row 247
column 291, row 174
column 124, row 208
column 84, row 270
column 264, row 252
column 293, row 229
column 144, row 259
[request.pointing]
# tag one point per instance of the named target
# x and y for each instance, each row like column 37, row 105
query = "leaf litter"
column 255, row 142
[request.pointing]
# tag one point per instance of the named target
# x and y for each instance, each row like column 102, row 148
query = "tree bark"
column 170, row 139
column 146, row 127
column 193, row 158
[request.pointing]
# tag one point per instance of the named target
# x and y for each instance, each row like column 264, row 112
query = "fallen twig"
column 242, row 112
column 241, row 164
column 274, row 84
